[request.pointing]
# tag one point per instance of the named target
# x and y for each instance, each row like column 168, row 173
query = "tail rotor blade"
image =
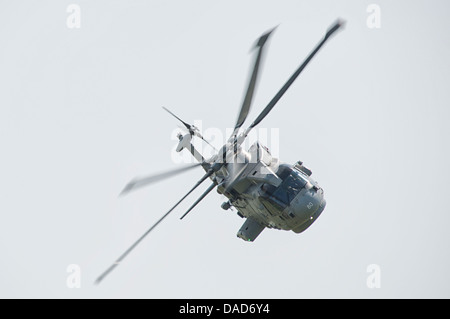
column 191, row 128
column 187, row 125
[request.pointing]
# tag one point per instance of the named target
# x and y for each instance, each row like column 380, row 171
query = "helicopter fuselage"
column 267, row 192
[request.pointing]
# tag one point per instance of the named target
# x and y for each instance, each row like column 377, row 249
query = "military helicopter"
column 266, row 192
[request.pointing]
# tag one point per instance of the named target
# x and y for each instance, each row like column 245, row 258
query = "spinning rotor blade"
column 117, row 262
column 144, row 181
column 210, row 188
column 245, row 108
column 276, row 98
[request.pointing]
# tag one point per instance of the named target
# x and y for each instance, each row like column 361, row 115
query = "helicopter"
column 266, row 192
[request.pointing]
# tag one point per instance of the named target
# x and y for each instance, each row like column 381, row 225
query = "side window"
column 290, row 187
column 292, row 184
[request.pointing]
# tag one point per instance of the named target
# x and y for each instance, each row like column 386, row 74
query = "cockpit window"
column 292, row 184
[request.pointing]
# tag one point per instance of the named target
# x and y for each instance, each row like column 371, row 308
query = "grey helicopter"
column 266, row 192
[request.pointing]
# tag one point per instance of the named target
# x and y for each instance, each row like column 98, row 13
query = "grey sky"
column 80, row 115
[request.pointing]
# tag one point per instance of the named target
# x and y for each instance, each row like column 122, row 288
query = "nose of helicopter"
column 309, row 205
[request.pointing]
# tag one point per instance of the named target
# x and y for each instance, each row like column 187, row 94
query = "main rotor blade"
column 245, row 108
column 210, row 188
column 144, row 181
column 117, row 262
column 276, row 98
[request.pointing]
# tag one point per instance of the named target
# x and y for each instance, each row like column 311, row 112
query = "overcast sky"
column 80, row 115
